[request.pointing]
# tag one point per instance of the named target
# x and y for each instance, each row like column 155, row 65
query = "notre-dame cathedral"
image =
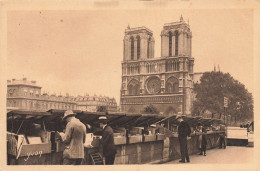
column 165, row 83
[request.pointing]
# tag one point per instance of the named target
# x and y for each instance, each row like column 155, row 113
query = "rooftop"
column 138, row 29
column 24, row 81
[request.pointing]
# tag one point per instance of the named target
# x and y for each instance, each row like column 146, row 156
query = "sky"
column 79, row 52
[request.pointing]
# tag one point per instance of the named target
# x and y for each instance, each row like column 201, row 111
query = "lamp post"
column 225, row 109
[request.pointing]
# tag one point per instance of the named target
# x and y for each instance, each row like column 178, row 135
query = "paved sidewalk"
column 230, row 155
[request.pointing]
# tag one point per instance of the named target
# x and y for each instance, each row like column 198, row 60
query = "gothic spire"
column 181, row 18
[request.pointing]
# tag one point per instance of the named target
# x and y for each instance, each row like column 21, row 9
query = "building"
column 166, row 82
column 92, row 103
column 26, row 95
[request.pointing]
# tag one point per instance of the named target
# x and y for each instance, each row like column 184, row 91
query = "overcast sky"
column 81, row 51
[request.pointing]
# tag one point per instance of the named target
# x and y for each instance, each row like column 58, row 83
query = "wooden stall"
column 139, row 138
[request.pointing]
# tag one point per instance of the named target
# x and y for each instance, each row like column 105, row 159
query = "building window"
column 176, row 43
column 172, row 85
column 31, row 93
column 133, row 87
column 138, row 47
column 148, row 47
column 132, row 48
column 170, row 43
column 37, row 93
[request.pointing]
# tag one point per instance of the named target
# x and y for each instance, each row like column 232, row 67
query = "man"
column 107, row 141
column 222, row 137
column 74, row 138
column 183, row 133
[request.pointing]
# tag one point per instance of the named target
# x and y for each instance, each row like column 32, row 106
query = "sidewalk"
column 230, row 155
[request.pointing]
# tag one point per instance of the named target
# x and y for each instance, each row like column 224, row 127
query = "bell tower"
column 176, row 39
column 138, row 44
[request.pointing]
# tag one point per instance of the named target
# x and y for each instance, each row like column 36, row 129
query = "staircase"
column 96, row 159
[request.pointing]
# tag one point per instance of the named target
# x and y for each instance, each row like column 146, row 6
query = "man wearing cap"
column 107, row 141
column 74, row 138
column 183, row 132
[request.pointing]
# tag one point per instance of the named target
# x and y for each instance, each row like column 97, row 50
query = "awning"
column 19, row 115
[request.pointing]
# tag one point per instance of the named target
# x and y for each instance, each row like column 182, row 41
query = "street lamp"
column 238, row 104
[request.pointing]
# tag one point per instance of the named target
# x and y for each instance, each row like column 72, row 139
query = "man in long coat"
column 107, row 141
column 183, row 133
column 74, row 139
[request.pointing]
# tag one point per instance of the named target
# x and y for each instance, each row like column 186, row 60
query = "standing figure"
column 107, row 141
column 200, row 137
column 222, row 136
column 204, row 141
column 74, row 139
column 183, row 133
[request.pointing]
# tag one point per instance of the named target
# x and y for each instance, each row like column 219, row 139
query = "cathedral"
column 163, row 83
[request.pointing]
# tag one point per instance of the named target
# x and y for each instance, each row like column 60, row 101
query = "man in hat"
column 107, row 141
column 183, row 133
column 74, row 139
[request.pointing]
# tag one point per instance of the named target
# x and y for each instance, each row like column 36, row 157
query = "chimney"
column 24, row 79
column 8, row 81
column 33, row 82
column 13, row 80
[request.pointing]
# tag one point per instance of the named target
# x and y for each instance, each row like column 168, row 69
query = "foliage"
column 212, row 89
column 150, row 110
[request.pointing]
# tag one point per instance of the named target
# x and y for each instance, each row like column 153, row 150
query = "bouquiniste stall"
column 139, row 138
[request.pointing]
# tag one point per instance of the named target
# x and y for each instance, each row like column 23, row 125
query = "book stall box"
column 147, row 121
column 25, row 136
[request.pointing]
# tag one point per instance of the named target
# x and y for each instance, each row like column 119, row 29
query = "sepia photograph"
column 128, row 83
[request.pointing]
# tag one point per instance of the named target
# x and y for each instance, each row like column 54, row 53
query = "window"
column 132, row 48
column 176, row 43
column 37, row 93
column 172, row 85
column 148, row 48
column 170, row 43
column 138, row 47
column 133, row 87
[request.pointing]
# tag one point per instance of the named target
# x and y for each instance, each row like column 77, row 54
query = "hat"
column 68, row 113
column 102, row 118
column 178, row 116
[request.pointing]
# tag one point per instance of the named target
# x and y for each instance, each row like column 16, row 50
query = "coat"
column 107, row 141
column 184, row 129
column 75, row 136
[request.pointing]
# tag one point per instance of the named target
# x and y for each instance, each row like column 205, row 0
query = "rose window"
column 154, row 85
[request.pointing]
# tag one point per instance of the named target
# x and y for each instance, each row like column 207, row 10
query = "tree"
column 150, row 109
column 210, row 93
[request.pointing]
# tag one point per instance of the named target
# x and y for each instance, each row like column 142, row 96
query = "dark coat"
column 107, row 141
column 184, row 129
column 204, row 139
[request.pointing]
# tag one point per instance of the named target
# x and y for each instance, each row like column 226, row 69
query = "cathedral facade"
column 165, row 83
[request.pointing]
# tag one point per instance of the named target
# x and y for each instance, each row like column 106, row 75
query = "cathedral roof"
column 135, row 30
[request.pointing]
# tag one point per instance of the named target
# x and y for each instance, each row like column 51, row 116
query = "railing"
column 155, row 99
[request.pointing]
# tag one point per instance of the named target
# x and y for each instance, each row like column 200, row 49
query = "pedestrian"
column 184, row 132
column 199, row 142
column 222, row 137
column 107, row 141
column 204, row 141
column 74, row 139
